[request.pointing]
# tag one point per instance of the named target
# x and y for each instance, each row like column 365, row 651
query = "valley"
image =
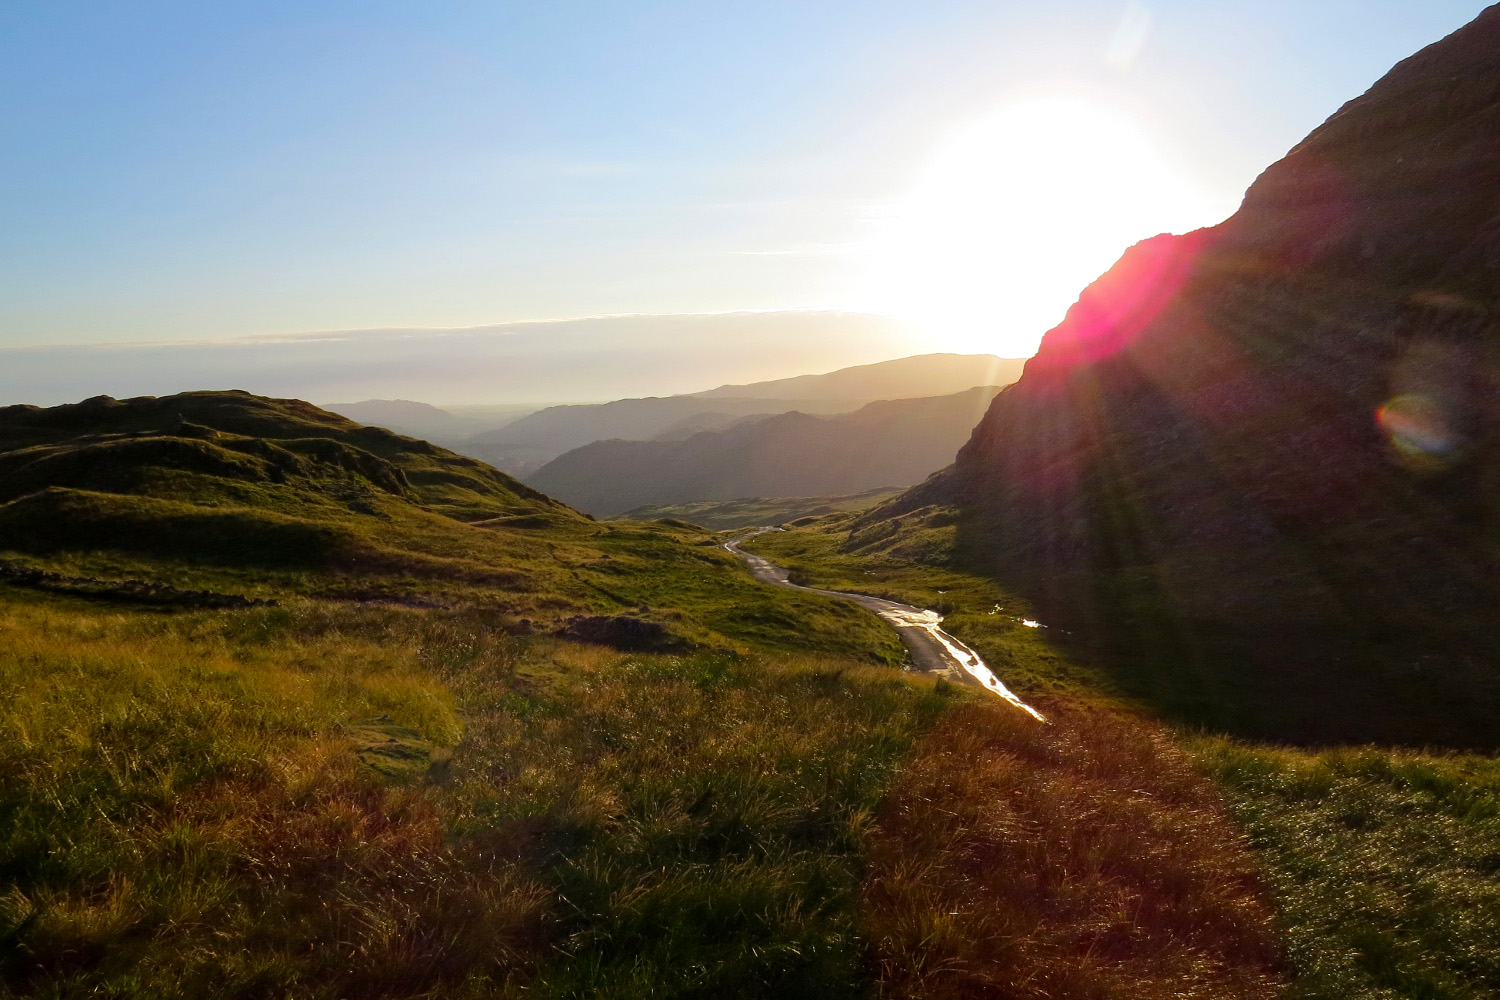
column 464, row 739
column 1161, row 665
column 932, row 650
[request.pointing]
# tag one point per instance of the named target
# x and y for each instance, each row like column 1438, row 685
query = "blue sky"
column 190, row 171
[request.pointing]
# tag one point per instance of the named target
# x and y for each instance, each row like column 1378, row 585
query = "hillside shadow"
column 1344, row 675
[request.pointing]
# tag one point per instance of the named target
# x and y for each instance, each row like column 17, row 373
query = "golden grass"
column 182, row 814
column 188, row 808
column 1082, row 859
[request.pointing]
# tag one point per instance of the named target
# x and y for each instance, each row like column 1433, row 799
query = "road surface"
column 932, row 650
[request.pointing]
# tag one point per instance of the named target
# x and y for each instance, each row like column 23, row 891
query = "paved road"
column 932, row 649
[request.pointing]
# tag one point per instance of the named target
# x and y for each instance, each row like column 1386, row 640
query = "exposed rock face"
column 1269, row 453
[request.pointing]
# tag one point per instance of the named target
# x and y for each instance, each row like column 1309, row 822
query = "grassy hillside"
column 276, row 498
column 747, row 512
column 326, row 799
column 482, row 745
column 436, row 767
column 1381, row 862
column 334, row 800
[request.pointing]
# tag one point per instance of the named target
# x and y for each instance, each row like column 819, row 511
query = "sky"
column 189, row 172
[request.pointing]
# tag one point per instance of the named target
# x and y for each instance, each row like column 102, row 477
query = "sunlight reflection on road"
column 903, row 616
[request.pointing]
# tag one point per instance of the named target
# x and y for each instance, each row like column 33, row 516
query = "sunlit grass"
column 908, row 566
column 1385, row 865
column 188, row 807
column 1381, row 862
column 1080, row 858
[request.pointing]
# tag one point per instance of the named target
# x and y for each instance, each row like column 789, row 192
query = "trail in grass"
column 931, row 648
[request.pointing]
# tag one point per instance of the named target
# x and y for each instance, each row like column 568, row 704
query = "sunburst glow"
column 1017, row 211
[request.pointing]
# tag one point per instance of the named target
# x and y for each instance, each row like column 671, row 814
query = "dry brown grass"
column 1083, row 859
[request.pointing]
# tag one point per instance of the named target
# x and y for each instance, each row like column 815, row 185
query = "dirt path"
column 932, row 649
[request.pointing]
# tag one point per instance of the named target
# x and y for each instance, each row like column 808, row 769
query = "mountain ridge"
column 792, row 454
column 523, row 446
column 1268, row 449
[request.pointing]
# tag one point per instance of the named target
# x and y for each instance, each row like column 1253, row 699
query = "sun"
column 1016, row 212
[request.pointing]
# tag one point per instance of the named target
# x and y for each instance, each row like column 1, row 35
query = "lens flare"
column 1418, row 428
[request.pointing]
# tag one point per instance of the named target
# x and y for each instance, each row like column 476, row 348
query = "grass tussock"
column 1083, row 859
column 1385, row 865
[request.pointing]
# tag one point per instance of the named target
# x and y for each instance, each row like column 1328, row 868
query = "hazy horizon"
column 539, row 363
column 199, row 185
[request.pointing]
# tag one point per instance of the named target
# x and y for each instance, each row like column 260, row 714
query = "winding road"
column 932, row 649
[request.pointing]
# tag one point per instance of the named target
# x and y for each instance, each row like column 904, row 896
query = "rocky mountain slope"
column 888, row 443
column 1261, row 463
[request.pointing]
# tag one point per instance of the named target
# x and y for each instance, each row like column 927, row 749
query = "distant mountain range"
column 423, row 420
column 1269, row 453
column 923, row 375
column 534, row 440
column 794, row 454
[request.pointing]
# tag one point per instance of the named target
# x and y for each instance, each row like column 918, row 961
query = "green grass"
column 979, row 611
column 376, row 789
column 1385, row 865
column 201, row 803
column 319, row 506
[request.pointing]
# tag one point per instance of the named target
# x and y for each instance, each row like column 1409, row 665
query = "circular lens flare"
column 1418, row 428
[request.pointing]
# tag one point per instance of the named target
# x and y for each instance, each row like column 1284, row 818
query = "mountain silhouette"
column 887, row 443
column 1257, row 466
column 534, row 440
